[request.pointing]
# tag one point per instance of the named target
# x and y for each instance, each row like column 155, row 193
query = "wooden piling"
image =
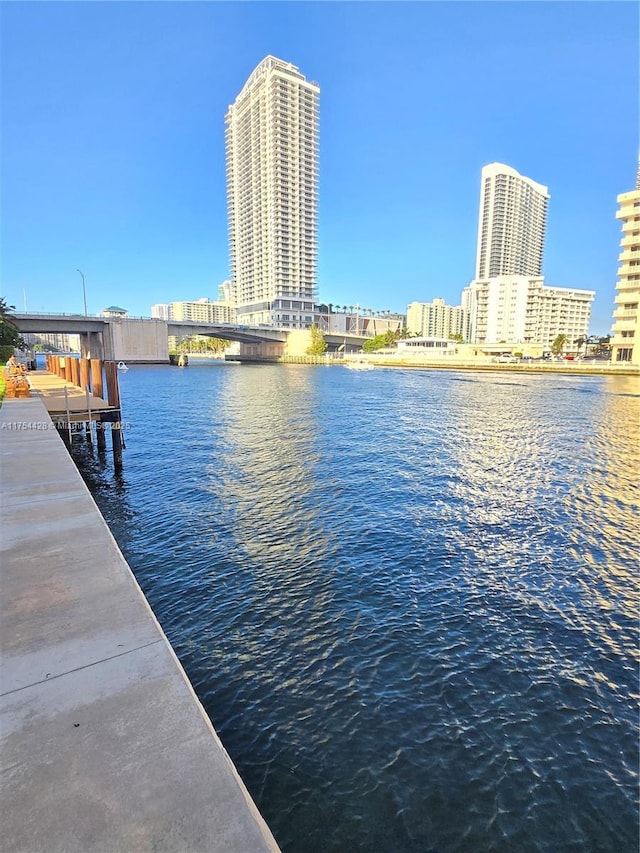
column 113, row 398
column 96, row 377
column 95, row 366
column 85, row 367
column 75, row 372
column 113, row 391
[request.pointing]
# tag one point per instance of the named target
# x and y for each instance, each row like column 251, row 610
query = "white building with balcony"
column 436, row 319
column 521, row 309
column 625, row 340
column 196, row 311
column 508, row 300
column 511, row 224
column 272, row 196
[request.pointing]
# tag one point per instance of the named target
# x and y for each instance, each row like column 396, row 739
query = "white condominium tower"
column 625, row 343
column 512, row 222
column 508, row 300
column 272, row 196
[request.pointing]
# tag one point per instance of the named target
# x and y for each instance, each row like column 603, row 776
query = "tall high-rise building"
column 272, row 196
column 625, row 341
column 508, row 300
column 512, row 223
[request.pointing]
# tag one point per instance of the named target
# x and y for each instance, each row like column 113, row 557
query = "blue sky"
column 112, row 156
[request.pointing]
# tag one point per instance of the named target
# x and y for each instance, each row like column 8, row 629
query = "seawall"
column 105, row 746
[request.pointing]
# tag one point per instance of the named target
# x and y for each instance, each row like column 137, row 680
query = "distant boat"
column 122, row 366
column 359, row 365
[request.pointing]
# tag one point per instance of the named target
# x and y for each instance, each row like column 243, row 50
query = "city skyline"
column 113, row 151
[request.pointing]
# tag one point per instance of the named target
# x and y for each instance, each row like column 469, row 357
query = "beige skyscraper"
column 625, row 341
column 511, row 225
column 272, row 196
column 436, row 319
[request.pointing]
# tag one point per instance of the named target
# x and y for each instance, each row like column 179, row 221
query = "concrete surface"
column 105, row 746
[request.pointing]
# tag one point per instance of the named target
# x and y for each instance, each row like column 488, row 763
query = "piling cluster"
column 94, row 376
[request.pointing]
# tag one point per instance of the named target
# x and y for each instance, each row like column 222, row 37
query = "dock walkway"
column 105, row 747
column 50, row 388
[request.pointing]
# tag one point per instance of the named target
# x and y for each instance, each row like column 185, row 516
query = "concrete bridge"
column 145, row 339
column 260, row 334
column 227, row 331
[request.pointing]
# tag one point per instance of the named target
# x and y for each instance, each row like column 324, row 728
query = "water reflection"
column 265, row 477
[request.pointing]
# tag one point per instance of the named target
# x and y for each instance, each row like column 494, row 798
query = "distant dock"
column 105, row 744
column 73, row 390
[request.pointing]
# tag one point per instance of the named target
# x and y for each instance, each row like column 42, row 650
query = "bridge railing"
column 76, row 316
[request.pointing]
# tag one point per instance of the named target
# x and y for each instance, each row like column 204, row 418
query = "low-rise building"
column 522, row 309
column 114, row 311
column 437, row 319
column 353, row 320
column 427, row 346
column 196, row 311
column 53, row 341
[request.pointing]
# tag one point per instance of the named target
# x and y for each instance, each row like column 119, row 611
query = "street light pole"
column 84, row 293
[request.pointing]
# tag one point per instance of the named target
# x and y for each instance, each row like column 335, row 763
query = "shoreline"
column 554, row 368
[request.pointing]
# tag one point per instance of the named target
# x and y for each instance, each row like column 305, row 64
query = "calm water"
column 407, row 600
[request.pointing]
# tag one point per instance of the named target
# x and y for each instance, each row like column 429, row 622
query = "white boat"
column 122, row 366
column 359, row 365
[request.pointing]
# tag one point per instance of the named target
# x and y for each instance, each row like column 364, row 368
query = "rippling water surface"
column 407, row 600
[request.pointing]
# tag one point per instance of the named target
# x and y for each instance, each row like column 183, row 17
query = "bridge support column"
column 91, row 345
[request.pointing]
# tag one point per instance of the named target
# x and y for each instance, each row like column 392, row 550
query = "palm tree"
column 10, row 337
column 558, row 344
column 581, row 341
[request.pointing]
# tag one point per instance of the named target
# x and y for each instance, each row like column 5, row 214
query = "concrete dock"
column 105, row 746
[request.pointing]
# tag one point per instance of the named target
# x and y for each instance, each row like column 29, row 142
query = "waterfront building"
column 511, row 223
column 355, row 320
column 625, row 340
column 430, row 346
column 436, row 319
column 196, row 311
column 508, row 299
column 522, row 309
column 53, row 341
column 272, row 196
